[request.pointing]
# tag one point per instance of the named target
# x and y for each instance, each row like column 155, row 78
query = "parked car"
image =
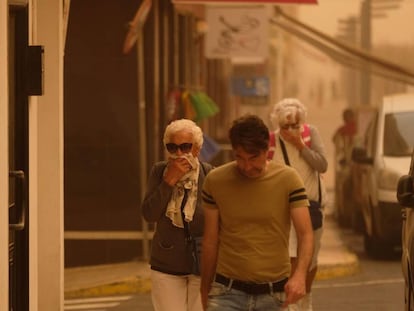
column 377, row 166
column 405, row 196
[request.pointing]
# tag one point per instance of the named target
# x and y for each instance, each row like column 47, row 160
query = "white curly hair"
column 286, row 110
column 184, row 125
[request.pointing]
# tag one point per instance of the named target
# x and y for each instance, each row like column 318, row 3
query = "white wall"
column 46, row 162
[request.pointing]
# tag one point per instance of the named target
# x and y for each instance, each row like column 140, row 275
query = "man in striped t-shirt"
column 248, row 206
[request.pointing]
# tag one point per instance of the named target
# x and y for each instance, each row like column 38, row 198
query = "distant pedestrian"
column 249, row 205
column 173, row 202
column 300, row 146
column 344, row 140
column 344, row 137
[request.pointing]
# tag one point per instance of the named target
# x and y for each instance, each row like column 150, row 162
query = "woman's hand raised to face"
column 293, row 137
column 176, row 168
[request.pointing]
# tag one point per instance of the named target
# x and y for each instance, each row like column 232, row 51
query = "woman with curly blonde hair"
column 299, row 145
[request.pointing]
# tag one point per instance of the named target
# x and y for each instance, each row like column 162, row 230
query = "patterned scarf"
column 189, row 182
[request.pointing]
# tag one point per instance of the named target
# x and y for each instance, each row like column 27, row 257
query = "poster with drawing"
column 237, row 32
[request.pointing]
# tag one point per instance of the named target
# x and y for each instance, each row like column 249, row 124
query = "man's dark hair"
column 250, row 133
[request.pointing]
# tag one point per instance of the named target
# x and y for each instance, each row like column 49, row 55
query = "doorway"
column 18, row 160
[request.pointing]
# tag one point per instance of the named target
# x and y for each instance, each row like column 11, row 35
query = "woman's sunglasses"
column 173, row 148
column 294, row 126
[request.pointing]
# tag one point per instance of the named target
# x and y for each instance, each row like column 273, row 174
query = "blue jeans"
column 222, row 298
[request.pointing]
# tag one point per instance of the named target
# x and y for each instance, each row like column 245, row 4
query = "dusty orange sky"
column 397, row 27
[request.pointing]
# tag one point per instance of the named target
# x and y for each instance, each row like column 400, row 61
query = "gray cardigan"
column 170, row 253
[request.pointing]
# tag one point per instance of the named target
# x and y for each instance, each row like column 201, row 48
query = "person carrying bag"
column 173, row 202
column 299, row 145
column 315, row 207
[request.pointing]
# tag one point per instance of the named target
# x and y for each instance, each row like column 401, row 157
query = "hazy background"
column 396, row 28
column 388, row 35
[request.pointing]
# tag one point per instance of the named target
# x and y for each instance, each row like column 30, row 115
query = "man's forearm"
column 305, row 253
column 208, row 270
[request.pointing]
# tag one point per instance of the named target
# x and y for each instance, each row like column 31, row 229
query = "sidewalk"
column 335, row 260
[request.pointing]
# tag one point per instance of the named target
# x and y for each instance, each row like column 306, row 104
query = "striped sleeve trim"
column 298, row 198
column 207, row 198
column 300, row 190
column 298, row 195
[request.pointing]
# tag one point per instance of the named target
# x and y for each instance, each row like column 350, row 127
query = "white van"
column 377, row 165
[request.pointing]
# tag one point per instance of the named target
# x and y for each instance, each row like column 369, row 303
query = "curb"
column 135, row 285
column 139, row 285
column 338, row 270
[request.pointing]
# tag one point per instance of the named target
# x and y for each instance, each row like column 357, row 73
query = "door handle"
column 20, row 200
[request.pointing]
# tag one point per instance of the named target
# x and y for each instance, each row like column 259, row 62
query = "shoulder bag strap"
column 319, row 189
column 285, row 155
column 186, row 224
column 186, row 227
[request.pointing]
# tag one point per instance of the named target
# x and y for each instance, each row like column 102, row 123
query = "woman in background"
column 304, row 151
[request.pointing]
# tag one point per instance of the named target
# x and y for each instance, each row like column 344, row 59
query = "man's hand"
column 295, row 289
column 204, row 297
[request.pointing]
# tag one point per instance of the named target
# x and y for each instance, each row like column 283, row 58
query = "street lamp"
column 371, row 9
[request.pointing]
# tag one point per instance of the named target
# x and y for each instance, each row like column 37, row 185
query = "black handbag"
column 315, row 209
column 315, row 206
column 196, row 252
column 193, row 242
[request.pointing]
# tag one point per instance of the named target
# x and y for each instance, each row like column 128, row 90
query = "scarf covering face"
column 189, row 182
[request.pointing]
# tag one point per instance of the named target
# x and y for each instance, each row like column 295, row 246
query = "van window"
column 398, row 134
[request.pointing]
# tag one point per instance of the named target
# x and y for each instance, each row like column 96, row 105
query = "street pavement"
column 335, row 260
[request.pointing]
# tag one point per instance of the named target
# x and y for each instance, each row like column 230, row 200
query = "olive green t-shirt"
column 254, row 220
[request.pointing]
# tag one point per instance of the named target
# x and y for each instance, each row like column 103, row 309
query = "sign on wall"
column 250, row 86
column 237, row 32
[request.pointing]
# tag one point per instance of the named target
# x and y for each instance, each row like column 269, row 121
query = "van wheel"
column 370, row 245
column 358, row 220
column 345, row 203
column 377, row 248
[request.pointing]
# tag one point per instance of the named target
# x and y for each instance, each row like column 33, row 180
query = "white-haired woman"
column 299, row 145
column 173, row 202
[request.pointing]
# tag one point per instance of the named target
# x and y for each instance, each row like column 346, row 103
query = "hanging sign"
column 237, row 32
